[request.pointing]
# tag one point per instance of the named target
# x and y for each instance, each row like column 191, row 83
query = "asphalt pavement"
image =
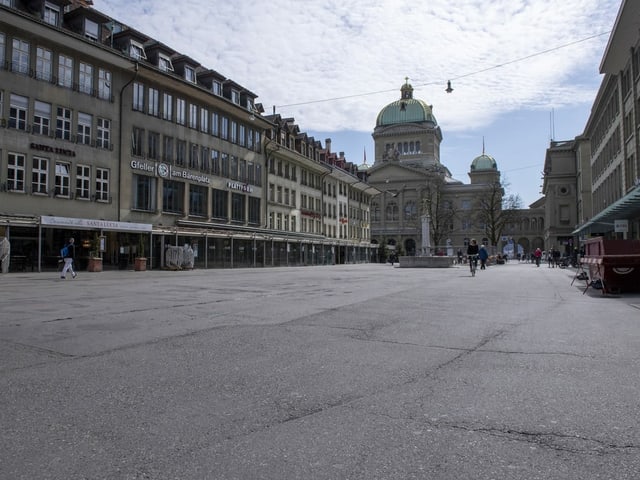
column 355, row 372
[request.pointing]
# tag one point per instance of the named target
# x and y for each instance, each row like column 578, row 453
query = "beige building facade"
column 605, row 163
column 114, row 138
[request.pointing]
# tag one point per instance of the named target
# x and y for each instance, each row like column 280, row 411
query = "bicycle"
column 473, row 264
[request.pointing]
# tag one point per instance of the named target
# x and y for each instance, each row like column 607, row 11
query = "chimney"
column 328, row 145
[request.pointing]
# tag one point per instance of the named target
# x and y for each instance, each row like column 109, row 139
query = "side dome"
column 406, row 110
column 484, row 162
column 363, row 167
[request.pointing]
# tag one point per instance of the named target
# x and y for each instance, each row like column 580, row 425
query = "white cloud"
column 297, row 52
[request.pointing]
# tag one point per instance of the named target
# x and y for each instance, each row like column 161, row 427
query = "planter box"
column 140, row 264
column 95, row 264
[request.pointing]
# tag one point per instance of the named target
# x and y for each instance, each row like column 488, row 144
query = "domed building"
column 422, row 209
column 407, row 132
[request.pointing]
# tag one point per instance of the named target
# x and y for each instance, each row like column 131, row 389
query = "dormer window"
column 51, row 14
column 250, row 106
column 164, row 63
column 91, row 29
column 216, row 87
column 235, row 97
column 190, row 74
column 136, row 51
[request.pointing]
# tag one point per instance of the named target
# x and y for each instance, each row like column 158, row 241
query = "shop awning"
column 628, row 207
column 19, row 220
column 93, row 224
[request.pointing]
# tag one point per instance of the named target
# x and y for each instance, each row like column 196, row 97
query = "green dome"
column 484, row 162
column 406, row 110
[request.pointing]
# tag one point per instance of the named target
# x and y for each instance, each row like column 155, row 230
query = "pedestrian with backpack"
column 68, row 253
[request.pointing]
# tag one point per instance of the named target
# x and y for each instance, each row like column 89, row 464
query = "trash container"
column 616, row 263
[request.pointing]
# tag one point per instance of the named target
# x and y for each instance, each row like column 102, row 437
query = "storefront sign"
column 144, row 166
column 189, row 176
column 621, row 226
column 309, row 213
column 47, row 148
column 167, row 171
column 94, row 224
column 243, row 187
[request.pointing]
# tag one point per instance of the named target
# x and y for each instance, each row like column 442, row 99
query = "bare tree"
column 440, row 211
column 495, row 210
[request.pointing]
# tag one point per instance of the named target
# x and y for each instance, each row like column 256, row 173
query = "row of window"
column 609, row 111
column 163, row 105
column 608, row 190
column 403, row 148
column 286, row 196
column 283, row 195
column 609, row 152
column 174, row 152
column 196, row 157
column 288, row 223
column 43, row 170
column 225, row 205
column 54, row 178
column 289, row 171
column 41, row 64
column 136, row 51
column 43, row 116
column 51, row 14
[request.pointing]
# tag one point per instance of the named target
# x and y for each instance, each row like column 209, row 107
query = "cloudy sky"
column 524, row 72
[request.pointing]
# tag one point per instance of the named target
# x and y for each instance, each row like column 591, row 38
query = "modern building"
column 114, row 138
column 593, row 182
column 612, row 133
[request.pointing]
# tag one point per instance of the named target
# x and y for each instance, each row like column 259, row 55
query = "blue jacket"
column 71, row 250
column 483, row 254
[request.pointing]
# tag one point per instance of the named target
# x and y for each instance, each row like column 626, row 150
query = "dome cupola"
column 484, row 162
column 406, row 110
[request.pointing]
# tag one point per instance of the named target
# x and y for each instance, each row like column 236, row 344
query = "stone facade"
column 408, row 171
column 107, row 134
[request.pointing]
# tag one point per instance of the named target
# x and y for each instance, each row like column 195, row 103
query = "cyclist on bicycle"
column 472, row 254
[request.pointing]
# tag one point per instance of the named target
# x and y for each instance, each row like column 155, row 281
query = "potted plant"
column 95, row 260
column 140, row 262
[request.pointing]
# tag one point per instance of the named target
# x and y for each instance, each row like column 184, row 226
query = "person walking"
column 483, row 255
column 537, row 255
column 68, row 253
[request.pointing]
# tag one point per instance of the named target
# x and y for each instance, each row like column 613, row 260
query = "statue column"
column 426, row 240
